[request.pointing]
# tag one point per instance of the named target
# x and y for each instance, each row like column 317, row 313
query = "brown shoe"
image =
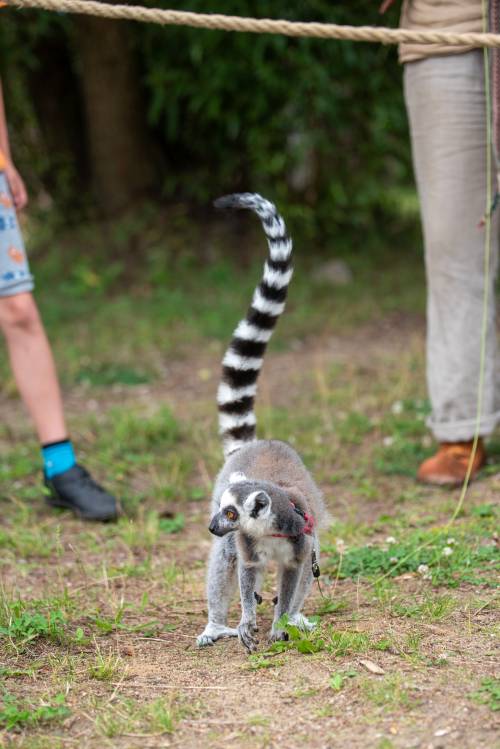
column 448, row 466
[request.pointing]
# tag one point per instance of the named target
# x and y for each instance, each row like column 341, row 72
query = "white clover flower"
column 340, row 545
column 388, row 441
column 397, row 407
column 393, row 560
column 447, row 551
column 424, row 572
column 390, row 540
column 450, row 541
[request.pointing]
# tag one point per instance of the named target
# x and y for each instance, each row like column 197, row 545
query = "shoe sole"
column 60, row 504
column 447, row 484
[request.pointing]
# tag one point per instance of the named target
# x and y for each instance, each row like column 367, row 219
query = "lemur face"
column 244, row 506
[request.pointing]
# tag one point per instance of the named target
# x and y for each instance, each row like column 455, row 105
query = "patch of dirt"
column 196, row 375
column 223, row 701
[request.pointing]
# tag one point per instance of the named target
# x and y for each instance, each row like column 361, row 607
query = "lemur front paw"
column 213, row 632
column 246, row 636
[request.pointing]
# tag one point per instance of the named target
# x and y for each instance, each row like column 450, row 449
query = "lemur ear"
column 237, row 477
column 258, row 504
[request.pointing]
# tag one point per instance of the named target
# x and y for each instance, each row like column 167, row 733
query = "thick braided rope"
column 261, row 25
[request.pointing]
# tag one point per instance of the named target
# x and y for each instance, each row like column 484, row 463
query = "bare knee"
column 19, row 313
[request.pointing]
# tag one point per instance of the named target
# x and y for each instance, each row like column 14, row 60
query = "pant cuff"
column 26, row 284
column 463, row 431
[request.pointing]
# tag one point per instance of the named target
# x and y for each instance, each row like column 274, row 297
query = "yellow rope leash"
column 484, row 321
column 217, row 21
column 486, row 270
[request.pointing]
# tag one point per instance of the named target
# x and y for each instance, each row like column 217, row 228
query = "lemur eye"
column 231, row 515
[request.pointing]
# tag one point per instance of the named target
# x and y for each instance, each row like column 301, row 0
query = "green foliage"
column 140, row 434
column 404, row 427
column 109, row 374
column 22, row 625
column 107, row 624
column 430, row 609
column 337, row 681
column 484, row 511
column 389, row 692
column 318, row 125
column 15, row 714
column 157, row 717
column 253, row 110
column 431, row 553
column 489, row 693
column 259, row 661
column 173, row 524
column 336, row 642
column 105, row 667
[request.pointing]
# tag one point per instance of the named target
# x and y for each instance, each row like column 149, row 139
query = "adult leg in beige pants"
column 445, row 99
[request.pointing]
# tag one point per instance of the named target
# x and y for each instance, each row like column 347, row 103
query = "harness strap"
column 307, row 530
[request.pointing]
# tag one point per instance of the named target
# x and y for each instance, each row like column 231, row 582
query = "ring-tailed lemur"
column 265, row 503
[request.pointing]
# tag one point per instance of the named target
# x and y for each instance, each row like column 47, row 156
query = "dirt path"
column 428, row 666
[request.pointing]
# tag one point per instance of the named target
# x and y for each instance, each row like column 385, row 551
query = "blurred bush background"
column 105, row 113
column 126, row 132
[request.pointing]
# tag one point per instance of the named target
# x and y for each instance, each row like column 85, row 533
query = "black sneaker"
column 76, row 490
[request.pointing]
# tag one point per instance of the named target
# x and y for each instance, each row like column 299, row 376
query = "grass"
column 106, row 666
column 153, row 718
column 389, row 693
column 107, row 615
column 470, row 555
column 171, row 295
column 21, row 626
column 488, row 693
column 324, row 638
column 15, row 715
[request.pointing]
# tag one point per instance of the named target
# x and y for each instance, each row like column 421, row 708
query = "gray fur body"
column 264, row 488
column 275, row 468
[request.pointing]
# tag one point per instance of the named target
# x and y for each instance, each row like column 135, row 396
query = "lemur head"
column 245, row 505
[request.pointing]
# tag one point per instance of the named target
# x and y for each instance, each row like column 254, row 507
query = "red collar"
column 307, row 530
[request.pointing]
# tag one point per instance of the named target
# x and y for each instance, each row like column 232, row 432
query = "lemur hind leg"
column 301, row 592
column 249, row 576
column 288, row 581
column 259, row 574
column 221, row 583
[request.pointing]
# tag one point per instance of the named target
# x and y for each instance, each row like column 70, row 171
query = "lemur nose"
column 214, row 527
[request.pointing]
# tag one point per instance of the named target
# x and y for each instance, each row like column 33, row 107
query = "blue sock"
column 57, row 458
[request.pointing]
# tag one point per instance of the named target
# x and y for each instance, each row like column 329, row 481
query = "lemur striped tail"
column 243, row 359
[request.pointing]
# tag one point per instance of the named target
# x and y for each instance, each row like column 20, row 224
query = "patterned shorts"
column 15, row 276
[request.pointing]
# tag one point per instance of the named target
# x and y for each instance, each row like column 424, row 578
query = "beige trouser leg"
column 445, row 99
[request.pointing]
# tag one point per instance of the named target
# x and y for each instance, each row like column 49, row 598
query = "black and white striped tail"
column 243, row 359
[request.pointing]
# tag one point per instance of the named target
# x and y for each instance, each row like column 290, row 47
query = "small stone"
column 374, row 668
column 442, row 731
column 397, row 407
column 335, row 272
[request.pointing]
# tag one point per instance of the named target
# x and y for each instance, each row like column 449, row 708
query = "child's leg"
column 33, row 365
column 69, row 485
